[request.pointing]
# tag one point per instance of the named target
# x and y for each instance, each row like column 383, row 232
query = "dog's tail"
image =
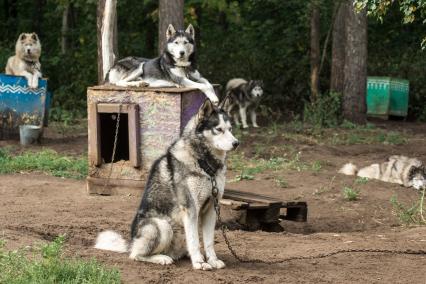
column 349, row 169
column 112, row 241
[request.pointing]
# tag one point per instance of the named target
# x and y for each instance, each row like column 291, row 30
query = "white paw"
column 245, row 126
column 255, row 126
column 162, row 259
column 202, row 266
column 216, row 263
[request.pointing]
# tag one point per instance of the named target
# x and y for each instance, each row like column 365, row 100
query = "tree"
column 338, row 50
column 315, row 49
column 169, row 12
column 355, row 80
column 107, row 36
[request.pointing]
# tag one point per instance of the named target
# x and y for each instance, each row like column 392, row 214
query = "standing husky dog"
column 245, row 95
column 178, row 196
column 175, row 67
column 26, row 62
column 409, row 172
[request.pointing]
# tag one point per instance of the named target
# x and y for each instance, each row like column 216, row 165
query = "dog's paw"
column 202, row 266
column 245, row 126
column 255, row 126
column 216, row 263
column 162, row 259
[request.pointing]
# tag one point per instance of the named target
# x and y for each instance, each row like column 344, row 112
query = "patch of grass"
column 350, row 194
column 281, row 182
column 322, row 189
column 250, row 167
column 410, row 214
column 316, row 166
column 361, row 180
column 48, row 265
column 46, row 161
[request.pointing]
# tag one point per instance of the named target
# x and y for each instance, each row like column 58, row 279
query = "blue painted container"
column 20, row 105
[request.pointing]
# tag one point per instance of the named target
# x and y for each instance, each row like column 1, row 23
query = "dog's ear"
column 34, row 36
column 225, row 102
column 170, row 31
column 190, row 30
column 22, row 36
column 206, row 110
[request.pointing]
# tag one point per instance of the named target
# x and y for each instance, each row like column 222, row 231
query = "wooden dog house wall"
column 150, row 119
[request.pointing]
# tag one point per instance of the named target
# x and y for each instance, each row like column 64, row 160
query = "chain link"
column 318, row 256
column 114, row 148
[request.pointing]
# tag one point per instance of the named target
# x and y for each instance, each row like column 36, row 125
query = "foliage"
column 49, row 266
column 350, row 194
column 411, row 214
column 46, row 161
column 252, row 39
column 325, row 111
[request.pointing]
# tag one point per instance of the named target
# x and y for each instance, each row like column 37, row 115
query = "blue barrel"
column 20, row 105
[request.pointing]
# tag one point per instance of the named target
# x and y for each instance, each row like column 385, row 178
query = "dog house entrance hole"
column 108, row 124
column 103, row 123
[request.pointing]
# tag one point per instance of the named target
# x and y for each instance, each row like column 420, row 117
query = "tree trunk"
column 107, row 36
column 355, row 81
column 170, row 12
column 315, row 50
column 338, row 50
column 65, row 29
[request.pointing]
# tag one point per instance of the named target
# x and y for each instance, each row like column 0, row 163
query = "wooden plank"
column 109, row 87
column 235, row 205
column 114, row 108
column 250, row 197
column 134, row 135
column 94, row 136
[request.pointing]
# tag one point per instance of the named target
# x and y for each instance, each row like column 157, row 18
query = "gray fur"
column 178, row 195
column 244, row 97
column 175, row 67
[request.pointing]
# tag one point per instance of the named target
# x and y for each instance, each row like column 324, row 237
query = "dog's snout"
column 235, row 144
column 182, row 53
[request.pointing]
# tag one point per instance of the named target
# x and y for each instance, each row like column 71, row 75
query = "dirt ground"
column 36, row 207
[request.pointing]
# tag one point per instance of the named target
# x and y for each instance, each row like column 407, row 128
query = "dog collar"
column 208, row 168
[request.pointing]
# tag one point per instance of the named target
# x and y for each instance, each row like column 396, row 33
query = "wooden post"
column 107, row 36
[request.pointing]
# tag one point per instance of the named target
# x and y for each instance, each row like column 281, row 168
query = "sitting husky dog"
column 409, row 172
column 26, row 62
column 175, row 67
column 178, row 196
column 245, row 95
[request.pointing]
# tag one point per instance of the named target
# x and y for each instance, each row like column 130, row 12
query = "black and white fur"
column 178, row 199
column 245, row 95
column 409, row 172
column 174, row 68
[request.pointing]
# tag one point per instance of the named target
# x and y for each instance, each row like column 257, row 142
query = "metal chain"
column 323, row 255
column 114, row 147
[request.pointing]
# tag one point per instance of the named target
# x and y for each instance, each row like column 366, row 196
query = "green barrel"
column 387, row 96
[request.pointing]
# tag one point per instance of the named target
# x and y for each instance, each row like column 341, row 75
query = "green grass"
column 350, row 194
column 281, row 182
column 410, row 214
column 46, row 161
column 361, row 180
column 47, row 265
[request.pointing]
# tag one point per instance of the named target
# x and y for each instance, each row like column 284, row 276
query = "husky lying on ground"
column 409, row 172
column 26, row 62
column 245, row 95
column 178, row 196
column 175, row 67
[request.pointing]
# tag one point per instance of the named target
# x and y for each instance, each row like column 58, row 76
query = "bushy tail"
column 112, row 241
column 349, row 169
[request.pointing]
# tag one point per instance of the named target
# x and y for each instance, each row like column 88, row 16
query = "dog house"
column 149, row 120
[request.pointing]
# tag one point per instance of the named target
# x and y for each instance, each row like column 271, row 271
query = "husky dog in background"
column 175, row 67
column 409, row 172
column 26, row 62
column 178, row 197
column 245, row 95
